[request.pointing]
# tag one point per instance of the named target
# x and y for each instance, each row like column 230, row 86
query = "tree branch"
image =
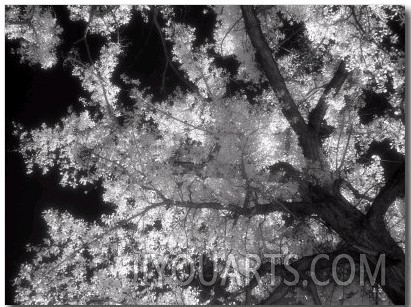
column 191, row 86
column 152, row 107
column 279, row 292
column 356, row 193
column 271, row 70
column 317, row 114
column 308, row 141
column 314, row 293
column 96, row 72
column 290, row 171
column 395, row 187
column 298, row 209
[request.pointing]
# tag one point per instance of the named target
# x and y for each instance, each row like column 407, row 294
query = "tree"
column 272, row 154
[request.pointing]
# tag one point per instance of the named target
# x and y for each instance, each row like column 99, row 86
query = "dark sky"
column 34, row 96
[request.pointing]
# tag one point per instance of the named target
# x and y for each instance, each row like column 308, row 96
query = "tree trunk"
column 366, row 234
column 370, row 239
column 394, row 281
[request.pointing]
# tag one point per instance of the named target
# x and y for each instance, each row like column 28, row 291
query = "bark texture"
column 364, row 233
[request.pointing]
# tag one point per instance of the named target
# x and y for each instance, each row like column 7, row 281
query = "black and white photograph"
column 205, row 154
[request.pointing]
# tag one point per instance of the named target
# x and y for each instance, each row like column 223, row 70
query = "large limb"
column 296, row 208
column 336, row 212
column 395, row 187
column 341, row 216
column 306, row 136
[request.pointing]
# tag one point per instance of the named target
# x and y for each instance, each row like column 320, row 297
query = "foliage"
column 37, row 31
column 207, row 170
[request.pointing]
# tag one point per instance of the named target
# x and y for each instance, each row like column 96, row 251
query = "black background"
column 34, row 96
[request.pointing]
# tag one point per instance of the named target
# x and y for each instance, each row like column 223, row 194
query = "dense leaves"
column 270, row 168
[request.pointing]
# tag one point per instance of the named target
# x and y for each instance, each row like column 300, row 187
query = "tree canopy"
column 274, row 140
